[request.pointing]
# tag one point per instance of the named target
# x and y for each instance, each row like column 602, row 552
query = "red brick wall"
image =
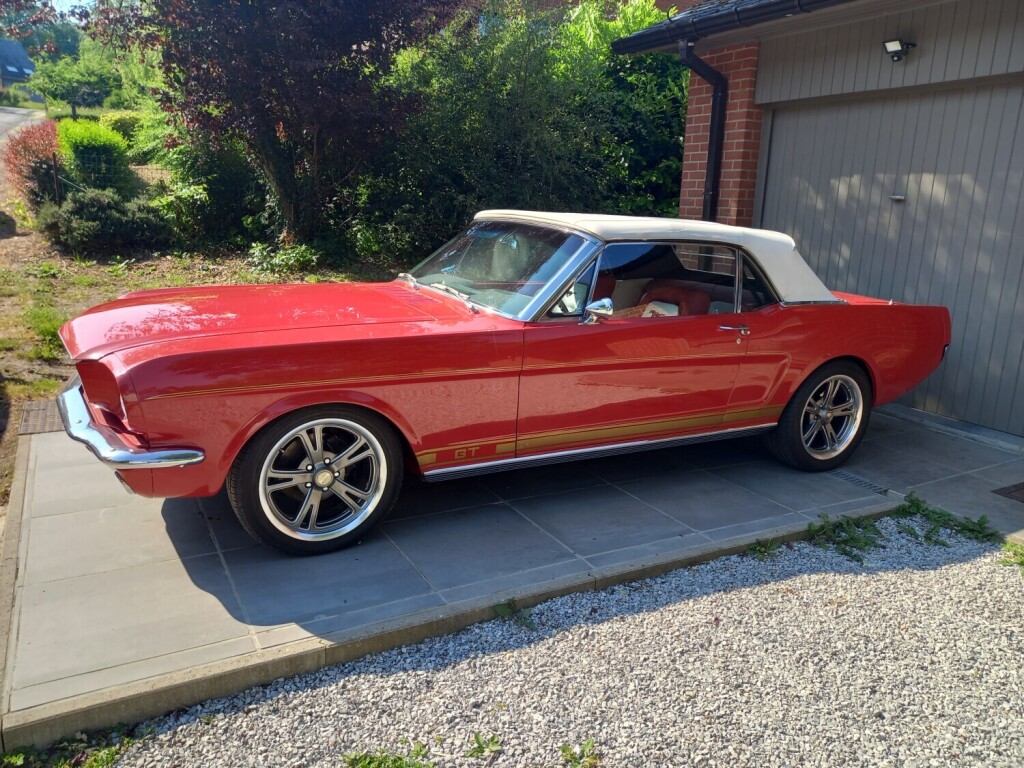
column 742, row 138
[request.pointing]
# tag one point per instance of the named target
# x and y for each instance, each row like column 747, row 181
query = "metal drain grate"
column 38, row 417
column 859, row 481
column 1015, row 492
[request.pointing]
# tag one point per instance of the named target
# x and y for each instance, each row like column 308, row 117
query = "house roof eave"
column 702, row 21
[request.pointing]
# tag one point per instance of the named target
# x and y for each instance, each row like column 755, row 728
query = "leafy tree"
column 295, row 80
column 528, row 109
column 82, row 81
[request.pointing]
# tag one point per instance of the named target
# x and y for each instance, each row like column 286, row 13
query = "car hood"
column 146, row 317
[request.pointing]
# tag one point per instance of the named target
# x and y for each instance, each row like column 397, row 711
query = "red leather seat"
column 689, row 300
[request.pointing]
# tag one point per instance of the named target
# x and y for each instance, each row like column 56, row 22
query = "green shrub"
column 283, row 260
column 530, row 109
column 231, row 190
column 98, row 221
column 123, row 122
column 96, row 157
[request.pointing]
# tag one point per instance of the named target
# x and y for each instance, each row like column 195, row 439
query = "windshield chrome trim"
column 559, row 283
column 559, row 457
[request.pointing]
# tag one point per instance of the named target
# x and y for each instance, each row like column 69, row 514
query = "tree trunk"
column 280, row 174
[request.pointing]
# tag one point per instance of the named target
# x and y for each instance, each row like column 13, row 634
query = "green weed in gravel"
column 484, row 747
column 939, row 521
column 847, row 536
column 413, row 758
column 512, row 612
column 1013, row 554
column 583, row 756
column 852, row 537
column 764, row 550
column 98, row 750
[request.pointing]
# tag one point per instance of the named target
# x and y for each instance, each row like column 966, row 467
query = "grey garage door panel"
column 956, row 158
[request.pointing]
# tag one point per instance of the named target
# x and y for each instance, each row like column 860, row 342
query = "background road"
column 11, row 118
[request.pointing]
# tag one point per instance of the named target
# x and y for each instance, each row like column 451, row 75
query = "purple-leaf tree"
column 297, row 81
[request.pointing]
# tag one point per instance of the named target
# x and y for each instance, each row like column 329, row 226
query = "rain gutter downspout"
column 716, row 129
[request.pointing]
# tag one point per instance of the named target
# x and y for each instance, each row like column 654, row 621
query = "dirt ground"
column 41, row 287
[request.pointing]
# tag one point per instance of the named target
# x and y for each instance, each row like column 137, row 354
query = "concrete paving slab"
column 796, row 490
column 636, row 466
column 275, row 589
column 961, row 454
column 523, row 483
column 1004, row 475
column 96, row 540
column 702, row 500
column 96, row 621
column 466, row 546
column 589, row 521
column 126, row 607
column 894, row 469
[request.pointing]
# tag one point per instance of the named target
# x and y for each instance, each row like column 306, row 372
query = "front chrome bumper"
column 105, row 442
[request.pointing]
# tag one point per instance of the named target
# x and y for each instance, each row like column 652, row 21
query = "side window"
column 667, row 279
column 711, row 268
column 755, row 292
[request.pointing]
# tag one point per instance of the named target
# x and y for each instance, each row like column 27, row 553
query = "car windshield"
column 496, row 264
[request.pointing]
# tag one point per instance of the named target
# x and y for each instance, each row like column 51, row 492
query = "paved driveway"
column 126, row 599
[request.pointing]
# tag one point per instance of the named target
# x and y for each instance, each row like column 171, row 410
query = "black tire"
column 317, row 480
column 815, row 434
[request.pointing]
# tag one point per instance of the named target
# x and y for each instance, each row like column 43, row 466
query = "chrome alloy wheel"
column 831, row 417
column 322, row 479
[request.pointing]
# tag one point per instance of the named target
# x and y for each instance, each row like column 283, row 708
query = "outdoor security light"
column 898, row 48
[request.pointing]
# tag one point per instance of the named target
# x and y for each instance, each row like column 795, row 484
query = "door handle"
column 743, row 330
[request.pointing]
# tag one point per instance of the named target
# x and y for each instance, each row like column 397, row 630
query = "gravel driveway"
column 913, row 659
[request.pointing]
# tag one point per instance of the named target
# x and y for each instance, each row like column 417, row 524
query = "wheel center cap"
column 324, row 478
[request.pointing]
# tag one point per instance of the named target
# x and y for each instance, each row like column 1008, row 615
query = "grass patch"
column 98, row 750
column 36, row 389
column 44, row 321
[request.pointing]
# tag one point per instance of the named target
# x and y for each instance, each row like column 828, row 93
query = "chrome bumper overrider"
column 106, row 443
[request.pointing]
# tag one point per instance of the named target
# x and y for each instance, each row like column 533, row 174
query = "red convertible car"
column 529, row 338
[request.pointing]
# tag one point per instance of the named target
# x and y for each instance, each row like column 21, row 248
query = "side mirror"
column 595, row 310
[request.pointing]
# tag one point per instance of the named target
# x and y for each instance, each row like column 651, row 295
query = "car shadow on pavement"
column 464, row 541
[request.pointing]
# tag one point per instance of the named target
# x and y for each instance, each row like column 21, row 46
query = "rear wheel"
column 317, row 480
column 825, row 420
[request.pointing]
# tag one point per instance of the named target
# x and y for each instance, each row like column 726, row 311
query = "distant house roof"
column 14, row 61
column 711, row 17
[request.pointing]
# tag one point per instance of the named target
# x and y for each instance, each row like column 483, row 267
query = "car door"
column 663, row 365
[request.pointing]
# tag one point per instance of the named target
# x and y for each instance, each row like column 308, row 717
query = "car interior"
column 667, row 280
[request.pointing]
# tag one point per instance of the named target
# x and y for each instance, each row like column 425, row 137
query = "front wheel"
column 825, row 420
column 317, row 480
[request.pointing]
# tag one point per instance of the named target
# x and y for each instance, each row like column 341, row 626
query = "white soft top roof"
column 774, row 251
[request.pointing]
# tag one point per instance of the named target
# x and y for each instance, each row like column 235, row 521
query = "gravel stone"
column 912, row 658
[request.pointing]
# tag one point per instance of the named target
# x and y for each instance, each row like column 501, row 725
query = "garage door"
column 917, row 197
